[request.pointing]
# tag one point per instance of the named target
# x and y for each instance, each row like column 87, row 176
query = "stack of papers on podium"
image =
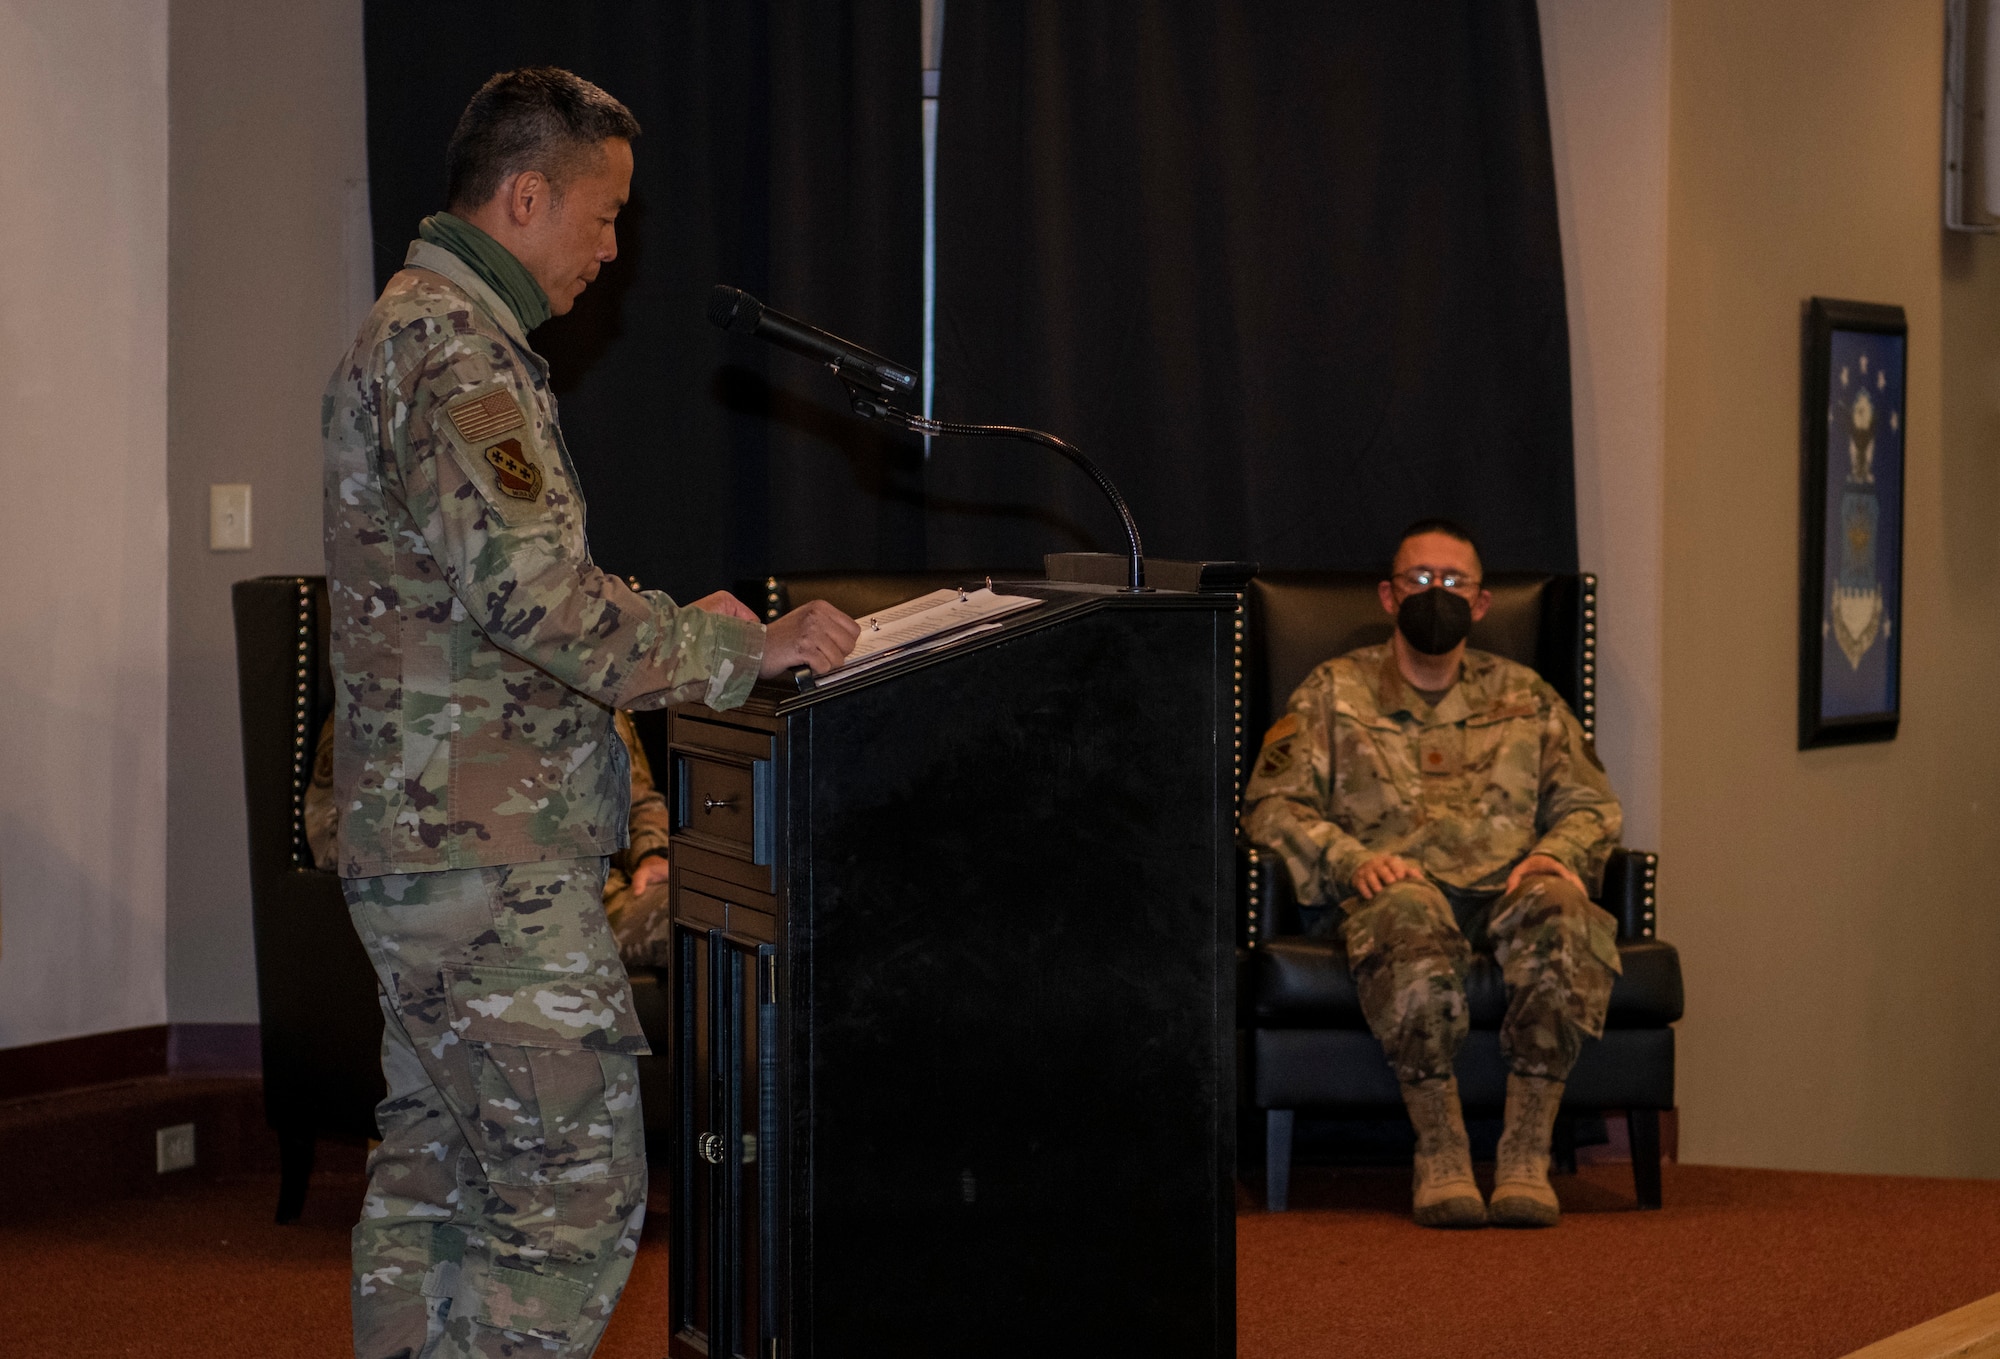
column 939, row 619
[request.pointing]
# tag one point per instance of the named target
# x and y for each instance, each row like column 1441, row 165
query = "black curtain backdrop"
column 781, row 154
column 1290, row 271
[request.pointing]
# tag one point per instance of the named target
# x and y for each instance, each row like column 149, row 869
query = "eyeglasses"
column 1424, row 578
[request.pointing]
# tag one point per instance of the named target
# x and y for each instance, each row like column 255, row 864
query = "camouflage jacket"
column 649, row 827
column 477, row 650
column 1361, row 765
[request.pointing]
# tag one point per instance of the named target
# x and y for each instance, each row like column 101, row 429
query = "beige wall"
column 83, row 472
column 1837, row 910
column 269, row 179
column 1606, row 68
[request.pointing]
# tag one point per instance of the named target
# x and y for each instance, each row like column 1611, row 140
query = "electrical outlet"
column 229, row 517
column 174, row 1147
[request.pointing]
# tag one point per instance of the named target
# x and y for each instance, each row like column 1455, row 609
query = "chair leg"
column 1277, row 1159
column 1642, row 1128
column 296, row 1150
column 1562, row 1146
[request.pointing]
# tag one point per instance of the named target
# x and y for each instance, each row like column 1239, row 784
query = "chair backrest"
column 285, row 690
column 856, row 593
column 1297, row 619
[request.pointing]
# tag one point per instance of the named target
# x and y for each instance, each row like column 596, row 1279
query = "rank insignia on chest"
column 520, row 476
column 1439, row 751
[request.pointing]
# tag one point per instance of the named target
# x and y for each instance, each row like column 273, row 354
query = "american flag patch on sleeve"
column 485, row 416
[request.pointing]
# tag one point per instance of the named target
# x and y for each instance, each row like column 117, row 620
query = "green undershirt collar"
column 493, row 262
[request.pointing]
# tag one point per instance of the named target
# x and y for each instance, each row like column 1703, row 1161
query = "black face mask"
column 1434, row 620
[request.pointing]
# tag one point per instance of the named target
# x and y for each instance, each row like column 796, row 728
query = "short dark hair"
column 537, row 118
column 1450, row 528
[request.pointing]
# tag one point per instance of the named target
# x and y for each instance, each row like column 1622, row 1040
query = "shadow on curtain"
column 1290, row 272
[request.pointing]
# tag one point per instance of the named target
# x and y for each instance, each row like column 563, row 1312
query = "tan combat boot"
column 1521, row 1193
column 1444, row 1194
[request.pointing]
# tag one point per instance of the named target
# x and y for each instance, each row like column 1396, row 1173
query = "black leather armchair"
column 1308, row 1047
column 316, row 992
column 316, row 1006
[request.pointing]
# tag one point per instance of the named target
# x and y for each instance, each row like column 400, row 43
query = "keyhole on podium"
column 968, row 1187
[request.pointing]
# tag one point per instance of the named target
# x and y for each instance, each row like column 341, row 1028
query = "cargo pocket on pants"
column 1590, row 995
column 552, row 1070
column 560, row 1144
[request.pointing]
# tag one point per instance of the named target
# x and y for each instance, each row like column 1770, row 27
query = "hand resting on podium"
column 815, row 635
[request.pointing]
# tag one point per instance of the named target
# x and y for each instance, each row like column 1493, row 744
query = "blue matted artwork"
column 1853, row 504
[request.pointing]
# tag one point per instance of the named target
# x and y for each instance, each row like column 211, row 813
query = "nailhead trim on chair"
column 1255, row 864
column 1588, row 716
column 1236, row 762
column 771, row 599
column 1652, row 880
column 301, row 711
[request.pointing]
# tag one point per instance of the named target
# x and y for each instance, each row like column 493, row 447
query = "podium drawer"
column 723, row 794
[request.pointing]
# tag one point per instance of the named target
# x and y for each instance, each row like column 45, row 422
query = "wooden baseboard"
column 1971, row 1332
column 94, row 1059
column 102, row 1143
column 211, row 1048
column 127, row 1055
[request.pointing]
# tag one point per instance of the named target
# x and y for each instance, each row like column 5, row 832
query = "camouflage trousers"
column 504, row 1204
column 1410, row 947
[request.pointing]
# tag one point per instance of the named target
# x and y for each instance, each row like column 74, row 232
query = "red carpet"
column 1740, row 1262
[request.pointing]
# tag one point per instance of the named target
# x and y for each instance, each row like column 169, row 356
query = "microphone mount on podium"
column 874, row 384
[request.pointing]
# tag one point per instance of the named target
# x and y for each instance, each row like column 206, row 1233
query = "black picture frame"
column 1854, row 424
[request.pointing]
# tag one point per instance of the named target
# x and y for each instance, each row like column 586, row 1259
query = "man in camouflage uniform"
column 1448, row 800
column 477, row 655
column 635, row 883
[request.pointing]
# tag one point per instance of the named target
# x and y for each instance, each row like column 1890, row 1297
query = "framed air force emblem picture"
column 1851, row 523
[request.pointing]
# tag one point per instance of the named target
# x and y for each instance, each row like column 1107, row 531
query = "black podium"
column 952, row 998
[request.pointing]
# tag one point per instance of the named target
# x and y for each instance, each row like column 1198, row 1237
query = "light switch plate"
column 229, row 517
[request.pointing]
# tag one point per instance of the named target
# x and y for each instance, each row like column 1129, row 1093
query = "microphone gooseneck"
column 873, row 381
column 871, row 408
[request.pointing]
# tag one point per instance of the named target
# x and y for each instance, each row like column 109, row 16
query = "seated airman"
column 1446, row 800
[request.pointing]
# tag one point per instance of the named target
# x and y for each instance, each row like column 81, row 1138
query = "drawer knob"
column 709, row 804
column 711, row 1147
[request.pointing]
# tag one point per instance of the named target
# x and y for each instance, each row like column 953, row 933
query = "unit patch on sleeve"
column 482, row 417
column 1276, row 755
column 520, row 476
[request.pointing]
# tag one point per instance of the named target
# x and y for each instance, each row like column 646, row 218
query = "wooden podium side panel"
column 1014, row 911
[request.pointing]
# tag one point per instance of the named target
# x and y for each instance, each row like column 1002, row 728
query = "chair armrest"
column 1630, row 890
column 1268, row 908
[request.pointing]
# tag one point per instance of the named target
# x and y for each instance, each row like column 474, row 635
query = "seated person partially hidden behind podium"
column 1447, row 800
column 635, row 884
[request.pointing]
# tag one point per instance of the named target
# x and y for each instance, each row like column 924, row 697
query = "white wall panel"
column 1606, row 68
column 83, row 482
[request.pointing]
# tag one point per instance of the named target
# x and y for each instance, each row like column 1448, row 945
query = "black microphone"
column 873, row 383
column 735, row 310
